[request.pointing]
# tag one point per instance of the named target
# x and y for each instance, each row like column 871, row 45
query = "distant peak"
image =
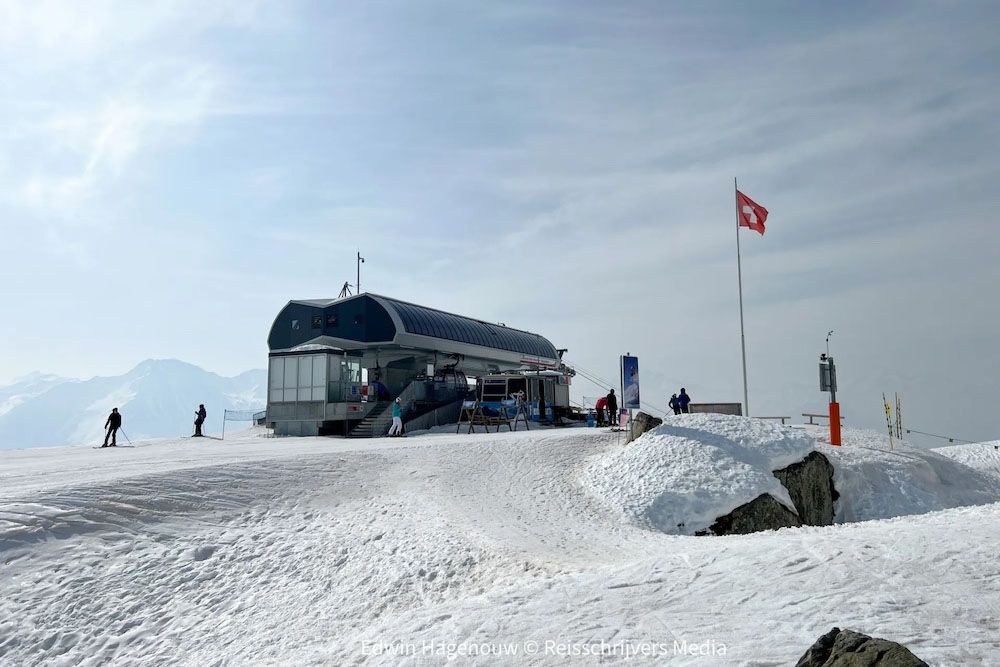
column 38, row 376
column 161, row 365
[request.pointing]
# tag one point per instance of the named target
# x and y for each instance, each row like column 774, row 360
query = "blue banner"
column 630, row 380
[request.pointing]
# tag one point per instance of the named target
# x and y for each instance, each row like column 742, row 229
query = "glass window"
column 494, row 390
column 305, row 372
column 350, row 371
column 277, row 374
column 317, row 322
column 331, row 320
column 319, row 370
column 301, row 378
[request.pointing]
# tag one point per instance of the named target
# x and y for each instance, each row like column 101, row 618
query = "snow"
column 878, row 483
column 263, row 550
column 983, row 456
column 680, row 476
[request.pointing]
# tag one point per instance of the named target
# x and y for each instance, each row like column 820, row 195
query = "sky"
column 173, row 172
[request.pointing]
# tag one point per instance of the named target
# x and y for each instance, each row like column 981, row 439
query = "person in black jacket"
column 199, row 419
column 112, row 425
column 683, row 400
column 612, row 408
column 675, row 404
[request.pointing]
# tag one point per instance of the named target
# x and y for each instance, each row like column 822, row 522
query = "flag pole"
column 739, row 273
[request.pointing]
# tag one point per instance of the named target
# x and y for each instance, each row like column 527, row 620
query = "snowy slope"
column 157, row 398
column 327, row 551
column 983, row 456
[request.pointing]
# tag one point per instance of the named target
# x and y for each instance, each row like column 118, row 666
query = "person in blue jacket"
column 397, row 419
column 683, row 400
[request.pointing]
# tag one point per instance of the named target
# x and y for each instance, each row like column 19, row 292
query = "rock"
column 761, row 513
column 810, row 485
column 846, row 648
column 642, row 423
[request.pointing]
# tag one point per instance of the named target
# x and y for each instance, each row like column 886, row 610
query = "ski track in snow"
column 300, row 551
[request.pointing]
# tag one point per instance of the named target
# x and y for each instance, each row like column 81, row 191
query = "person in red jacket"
column 612, row 408
column 601, row 408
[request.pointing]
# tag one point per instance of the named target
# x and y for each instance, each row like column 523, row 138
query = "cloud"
column 85, row 151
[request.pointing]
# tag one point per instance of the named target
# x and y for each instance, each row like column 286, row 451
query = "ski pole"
column 126, row 437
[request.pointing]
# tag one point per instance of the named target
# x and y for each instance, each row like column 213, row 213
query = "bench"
column 812, row 416
column 781, row 418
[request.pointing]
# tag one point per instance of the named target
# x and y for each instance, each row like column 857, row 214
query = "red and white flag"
column 751, row 213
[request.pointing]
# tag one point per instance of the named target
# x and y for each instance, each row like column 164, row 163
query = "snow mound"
column 679, row 477
column 982, row 456
column 878, row 483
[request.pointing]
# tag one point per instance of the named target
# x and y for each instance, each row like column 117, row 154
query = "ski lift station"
column 335, row 365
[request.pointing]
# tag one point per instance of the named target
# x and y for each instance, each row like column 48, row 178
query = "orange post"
column 835, row 424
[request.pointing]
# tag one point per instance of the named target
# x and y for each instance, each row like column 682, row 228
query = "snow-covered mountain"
column 26, row 388
column 157, row 398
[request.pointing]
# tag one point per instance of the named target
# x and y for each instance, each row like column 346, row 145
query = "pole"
column 739, row 273
column 126, row 437
column 224, row 413
column 834, row 412
column 361, row 260
column 621, row 387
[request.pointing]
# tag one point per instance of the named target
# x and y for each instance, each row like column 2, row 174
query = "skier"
column 675, row 404
column 683, row 400
column 397, row 419
column 199, row 419
column 112, row 425
column 612, row 401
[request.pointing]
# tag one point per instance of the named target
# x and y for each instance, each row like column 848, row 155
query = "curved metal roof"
column 425, row 321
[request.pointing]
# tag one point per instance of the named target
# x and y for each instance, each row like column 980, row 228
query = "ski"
column 888, row 419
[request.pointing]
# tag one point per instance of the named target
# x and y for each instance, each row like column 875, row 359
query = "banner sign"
column 630, row 381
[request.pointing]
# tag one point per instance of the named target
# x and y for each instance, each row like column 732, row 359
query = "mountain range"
column 157, row 398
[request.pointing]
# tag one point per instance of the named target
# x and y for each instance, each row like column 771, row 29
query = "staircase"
column 375, row 424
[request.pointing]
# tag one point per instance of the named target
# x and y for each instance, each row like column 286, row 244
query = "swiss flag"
column 751, row 213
